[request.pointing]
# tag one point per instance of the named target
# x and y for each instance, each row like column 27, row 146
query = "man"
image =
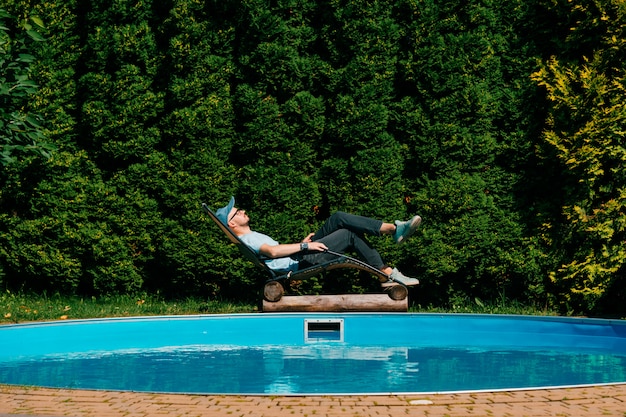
column 340, row 233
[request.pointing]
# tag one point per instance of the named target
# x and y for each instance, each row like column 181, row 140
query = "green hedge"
column 500, row 122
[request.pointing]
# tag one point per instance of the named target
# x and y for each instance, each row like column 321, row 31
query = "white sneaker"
column 404, row 230
column 397, row 277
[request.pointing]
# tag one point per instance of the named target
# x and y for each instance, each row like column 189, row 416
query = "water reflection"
column 314, row 369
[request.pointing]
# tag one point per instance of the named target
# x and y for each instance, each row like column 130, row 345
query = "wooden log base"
column 337, row 303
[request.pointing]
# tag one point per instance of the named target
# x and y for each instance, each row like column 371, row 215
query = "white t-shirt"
column 254, row 240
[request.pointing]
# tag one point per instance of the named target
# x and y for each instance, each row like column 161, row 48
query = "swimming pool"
column 319, row 353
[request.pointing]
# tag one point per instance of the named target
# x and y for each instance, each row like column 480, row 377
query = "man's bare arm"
column 288, row 249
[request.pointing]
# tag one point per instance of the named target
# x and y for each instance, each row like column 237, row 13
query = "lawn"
column 20, row 308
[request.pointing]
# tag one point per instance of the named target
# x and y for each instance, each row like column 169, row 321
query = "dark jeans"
column 344, row 232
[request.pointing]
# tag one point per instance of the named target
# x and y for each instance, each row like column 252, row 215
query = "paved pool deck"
column 600, row 401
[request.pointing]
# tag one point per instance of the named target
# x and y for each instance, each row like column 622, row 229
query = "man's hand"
column 317, row 246
column 314, row 246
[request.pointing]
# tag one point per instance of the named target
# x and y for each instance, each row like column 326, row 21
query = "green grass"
column 501, row 305
column 20, row 308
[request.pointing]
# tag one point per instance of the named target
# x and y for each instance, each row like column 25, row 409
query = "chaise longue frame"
column 274, row 290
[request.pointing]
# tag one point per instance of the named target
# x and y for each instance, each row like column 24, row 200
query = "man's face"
column 237, row 217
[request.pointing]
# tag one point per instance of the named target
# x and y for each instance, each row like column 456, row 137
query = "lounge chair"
column 273, row 290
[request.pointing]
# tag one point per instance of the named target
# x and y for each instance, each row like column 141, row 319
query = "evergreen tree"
column 21, row 128
column 585, row 84
column 299, row 108
column 461, row 115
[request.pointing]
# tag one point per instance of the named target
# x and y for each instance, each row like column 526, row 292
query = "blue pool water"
column 297, row 353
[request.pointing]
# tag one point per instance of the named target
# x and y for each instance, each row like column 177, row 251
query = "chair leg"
column 273, row 291
column 397, row 292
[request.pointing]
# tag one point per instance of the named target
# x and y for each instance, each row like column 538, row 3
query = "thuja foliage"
column 499, row 122
column 21, row 130
column 586, row 129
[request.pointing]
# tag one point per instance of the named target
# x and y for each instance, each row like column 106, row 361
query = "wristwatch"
column 304, row 246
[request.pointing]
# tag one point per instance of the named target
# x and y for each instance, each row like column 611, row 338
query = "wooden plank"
column 337, row 303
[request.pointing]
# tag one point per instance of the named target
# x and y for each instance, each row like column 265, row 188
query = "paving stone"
column 575, row 402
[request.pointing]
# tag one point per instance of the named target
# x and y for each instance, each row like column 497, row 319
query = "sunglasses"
column 234, row 214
